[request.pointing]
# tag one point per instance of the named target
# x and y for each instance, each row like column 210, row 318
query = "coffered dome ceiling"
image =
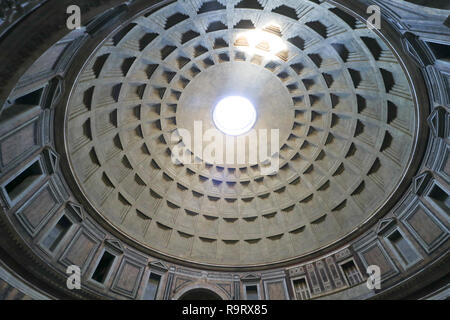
column 333, row 88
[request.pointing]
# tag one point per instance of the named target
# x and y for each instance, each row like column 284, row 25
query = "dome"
column 333, row 89
column 224, row 150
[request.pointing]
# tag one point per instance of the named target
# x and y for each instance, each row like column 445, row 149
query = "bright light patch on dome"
column 234, row 115
column 264, row 42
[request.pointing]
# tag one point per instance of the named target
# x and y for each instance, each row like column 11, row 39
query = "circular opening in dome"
column 234, row 115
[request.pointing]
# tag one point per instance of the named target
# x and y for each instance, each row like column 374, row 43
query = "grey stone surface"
column 356, row 151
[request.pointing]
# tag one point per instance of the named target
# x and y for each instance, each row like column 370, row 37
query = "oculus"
column 234, row 115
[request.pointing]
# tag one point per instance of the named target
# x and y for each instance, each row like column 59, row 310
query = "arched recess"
column 200, row 292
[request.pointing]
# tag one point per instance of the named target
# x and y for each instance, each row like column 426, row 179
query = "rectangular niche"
column 31, row 99
column 18, row 185
column 22, row 108
column 402, row 248
column 19, row 128
column 153, row 286
column 103, row 268
column 439, row 197
column 251, row 292
column 56, row 234
column 441, row 51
